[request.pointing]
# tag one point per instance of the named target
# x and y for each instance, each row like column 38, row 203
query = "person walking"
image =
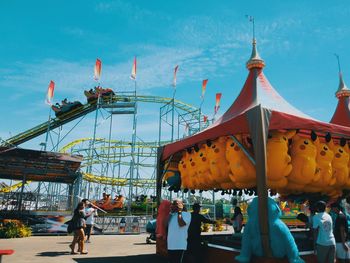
column 324, row 241
column 90, row 220
column 194, row 253
column 237, row 220
column 78, row 227
column 341, row 235
column 178, row 223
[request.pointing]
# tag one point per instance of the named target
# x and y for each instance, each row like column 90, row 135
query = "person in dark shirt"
column 341, row 234
column 237, row 220
column 194, row 234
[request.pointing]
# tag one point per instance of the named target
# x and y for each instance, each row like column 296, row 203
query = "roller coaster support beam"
column 77, row 190
column 20, row 201
column 92, row 144
column 132, row 162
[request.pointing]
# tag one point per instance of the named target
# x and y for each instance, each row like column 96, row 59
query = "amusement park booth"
column 259, row 144
column 31, row 166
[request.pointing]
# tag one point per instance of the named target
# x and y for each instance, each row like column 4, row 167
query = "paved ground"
column 111, row 248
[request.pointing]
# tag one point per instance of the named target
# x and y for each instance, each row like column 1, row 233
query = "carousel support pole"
column 258, row 119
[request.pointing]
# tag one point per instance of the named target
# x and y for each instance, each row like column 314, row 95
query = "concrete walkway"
column 116, row 248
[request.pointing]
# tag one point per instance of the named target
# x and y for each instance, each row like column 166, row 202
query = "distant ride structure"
column 117, row 167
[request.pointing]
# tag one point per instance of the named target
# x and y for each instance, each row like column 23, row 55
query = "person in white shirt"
column 179, row 221
column 324, row 240
column 90, row 217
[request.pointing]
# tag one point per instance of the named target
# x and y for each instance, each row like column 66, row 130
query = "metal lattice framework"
column 113, row 166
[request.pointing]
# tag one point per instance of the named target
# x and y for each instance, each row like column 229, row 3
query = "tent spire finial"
column 343, row 90
column 255, row 61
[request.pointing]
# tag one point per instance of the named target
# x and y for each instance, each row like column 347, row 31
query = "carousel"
column 263, row 144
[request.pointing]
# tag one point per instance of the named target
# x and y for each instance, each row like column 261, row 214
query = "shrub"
column 14, row 229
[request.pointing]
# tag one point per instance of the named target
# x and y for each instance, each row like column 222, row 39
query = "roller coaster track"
column 118, row 181
column 8, row 189
column 113, row 144
column 89, row 107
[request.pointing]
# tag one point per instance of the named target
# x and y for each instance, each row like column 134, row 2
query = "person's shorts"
column 341, row 253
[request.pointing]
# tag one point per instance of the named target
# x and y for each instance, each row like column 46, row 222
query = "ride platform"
column 32, row 165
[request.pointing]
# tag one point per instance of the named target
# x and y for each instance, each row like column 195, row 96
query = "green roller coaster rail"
column 87, row 108
column 114, row 144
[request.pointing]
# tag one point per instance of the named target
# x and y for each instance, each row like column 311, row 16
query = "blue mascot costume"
column 281, row 240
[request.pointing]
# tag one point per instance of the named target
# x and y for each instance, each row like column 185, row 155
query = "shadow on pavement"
column 124, row 259
column 52, row 253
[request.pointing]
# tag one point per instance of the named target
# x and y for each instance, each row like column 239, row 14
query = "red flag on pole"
column 97, row 70
column 204, row 86
column 175, row 71
column 205, row 118
column 133, row 70
column 217, row 103
column 50, row 91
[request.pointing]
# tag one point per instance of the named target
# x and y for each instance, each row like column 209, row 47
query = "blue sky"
column 60, row 40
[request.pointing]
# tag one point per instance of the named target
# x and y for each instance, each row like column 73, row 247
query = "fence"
column 122, row 224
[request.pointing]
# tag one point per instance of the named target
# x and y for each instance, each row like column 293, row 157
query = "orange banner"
column 97, row 70
column 50, row 92
column 204, row 87
column 133, row 70
column 217, row 102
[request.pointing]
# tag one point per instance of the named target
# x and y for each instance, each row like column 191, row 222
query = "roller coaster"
column 87, row 108
column 110, row 166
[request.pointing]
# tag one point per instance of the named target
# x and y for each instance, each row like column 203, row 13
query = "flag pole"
column 173, row 112
column 49, row 97
column 48, row 129
column 173, row 103
column 133, row 139
column 204, row 86
column 45, row 146
column 200, row 113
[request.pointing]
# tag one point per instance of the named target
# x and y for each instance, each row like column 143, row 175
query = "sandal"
column 73, row 253
column 83, row 252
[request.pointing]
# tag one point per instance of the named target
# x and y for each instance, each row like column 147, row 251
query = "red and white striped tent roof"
column 258, row 92
column 341, row 115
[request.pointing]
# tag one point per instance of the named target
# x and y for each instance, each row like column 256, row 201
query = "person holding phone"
column 179, row 221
